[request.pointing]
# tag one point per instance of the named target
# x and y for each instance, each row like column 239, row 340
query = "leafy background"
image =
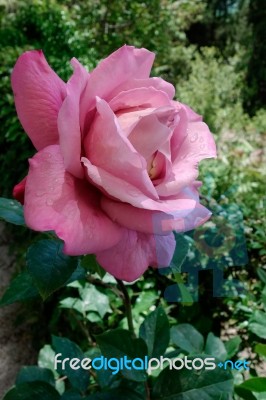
column 213, row 51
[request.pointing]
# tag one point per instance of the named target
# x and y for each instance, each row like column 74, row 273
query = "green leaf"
column 90, row 263
column 257, row 323
column 49, row 267
column 94, row 300
column 187, row 384
column 257, row 385
column 71, row 395
column 187, row 338
column 46, row 360
column 144, row 301
column 215, row 347
column 232, row 346
column 244, row 394
column 156, row 332
column 180, row 254
column 11, row 211
column 20, row 288
column 262, row 274
column 78, row 274
column 127, row 390
column 34, row 373
column 119, row 343
column 261, row 349
column 32, row 390
column 79, row 378
column 104, row 376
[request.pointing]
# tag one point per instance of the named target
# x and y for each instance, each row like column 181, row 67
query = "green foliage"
column 177, row 385
column 11, row 211
column 49, row 267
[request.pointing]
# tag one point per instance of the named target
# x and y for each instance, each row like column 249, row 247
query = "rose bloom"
column 116, row 163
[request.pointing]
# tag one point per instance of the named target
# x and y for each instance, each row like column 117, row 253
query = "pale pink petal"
column 56, row 200
column 187, row 215
column 156, row 83
column 198, row 145
column 106, row 147
column 180, row 132
column 39, row 94
column 129, row 259
column 142, row 97
column 192, row 115
column 69, row 122
column 121, row 66
column 149, row 135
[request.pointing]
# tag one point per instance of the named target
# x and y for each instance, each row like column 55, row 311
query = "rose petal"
column 55, row 200
column 126, row 192
column 187, row 215
column 149, row 135
column 19, row 191
column 107, row 148
column 142, row 97
column 129, row 259
column 121, row 66
column 69, row 123
column 39, row 94
column 156, row 83
column 197, row 145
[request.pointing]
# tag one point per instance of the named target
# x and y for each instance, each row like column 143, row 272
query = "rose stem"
column 127, row 304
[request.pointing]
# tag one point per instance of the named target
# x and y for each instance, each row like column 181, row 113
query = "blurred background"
column 213, row 51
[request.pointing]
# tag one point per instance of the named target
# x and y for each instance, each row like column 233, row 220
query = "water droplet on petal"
column 193, row 137
column 49, row 202
column 40, row 193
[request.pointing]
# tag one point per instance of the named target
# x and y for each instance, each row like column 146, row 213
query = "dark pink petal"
column 187, row 214
column 69, row 122
column 39, row 94
column 19, row 191
column 107, row 148
column 129, row 259
column 56, row 200
column 121, row 66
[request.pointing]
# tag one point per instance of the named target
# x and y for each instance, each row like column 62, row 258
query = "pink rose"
column 116, row 164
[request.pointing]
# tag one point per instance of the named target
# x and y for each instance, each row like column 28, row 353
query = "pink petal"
column 19, row 191
column 156, row 83
column 197, row 145
column 125, row 192
column 56, row 200
column 121, row 66
column 68, row 121
column 187, row 215
column 149, row 135
column 107, row 148
column 39, row 94
column 129, row 259
column 142, row 97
